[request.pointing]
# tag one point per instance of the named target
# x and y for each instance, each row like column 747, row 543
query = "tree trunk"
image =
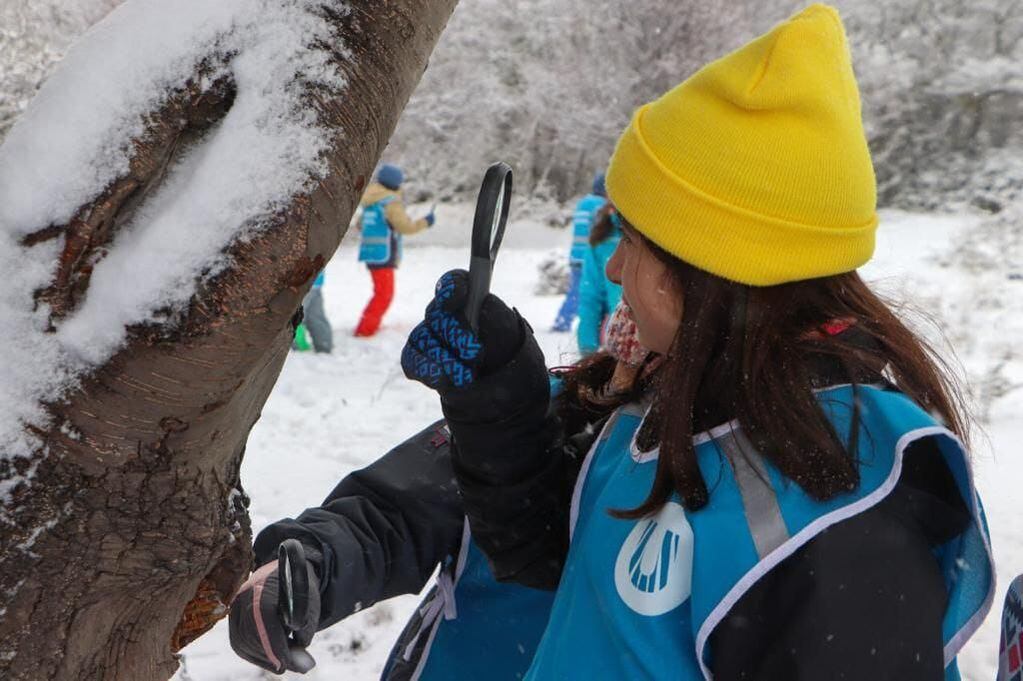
column 133, row 533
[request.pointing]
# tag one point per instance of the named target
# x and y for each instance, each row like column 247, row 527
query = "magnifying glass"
column 487, row 233
column 293, row 598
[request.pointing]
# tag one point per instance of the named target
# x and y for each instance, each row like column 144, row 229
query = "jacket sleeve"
column 383, row 530
column 591, row 303
column 399, row 220
column 862, row 600
column 515, row 470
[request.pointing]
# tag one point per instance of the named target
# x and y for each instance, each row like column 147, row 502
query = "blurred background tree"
column 548, row 84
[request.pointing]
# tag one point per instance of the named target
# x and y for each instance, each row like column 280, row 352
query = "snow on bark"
column 34, row 34
column 76, row 139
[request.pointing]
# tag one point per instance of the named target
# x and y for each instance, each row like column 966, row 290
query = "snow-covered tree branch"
column 165, row 202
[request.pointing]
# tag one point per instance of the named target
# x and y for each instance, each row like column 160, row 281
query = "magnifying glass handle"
column 480, row 271
column 293, row 599
column 487, row 232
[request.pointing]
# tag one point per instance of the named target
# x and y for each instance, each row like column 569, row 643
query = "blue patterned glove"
column 443, row 353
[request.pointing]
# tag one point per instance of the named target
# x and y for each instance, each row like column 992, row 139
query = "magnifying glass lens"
column 487, row 231
column 288, row 588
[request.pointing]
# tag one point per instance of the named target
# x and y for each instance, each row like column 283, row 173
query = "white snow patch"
column 69, row 431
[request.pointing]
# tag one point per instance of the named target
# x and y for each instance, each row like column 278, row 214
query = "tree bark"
column 133, row 533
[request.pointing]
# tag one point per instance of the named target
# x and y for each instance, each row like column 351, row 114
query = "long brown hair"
column 586, row 379
column 746, row 352
column 603, row 224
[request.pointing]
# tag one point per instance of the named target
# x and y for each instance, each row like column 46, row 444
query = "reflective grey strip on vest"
column 763, row 515
column 376, row 240
column 639, row 408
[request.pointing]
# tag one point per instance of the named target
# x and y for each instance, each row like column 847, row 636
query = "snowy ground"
column 331, row 414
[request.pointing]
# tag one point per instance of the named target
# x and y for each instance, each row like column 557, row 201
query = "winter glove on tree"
column 257, row 631
column 479, row 376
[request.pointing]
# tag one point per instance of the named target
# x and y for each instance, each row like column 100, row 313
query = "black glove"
column 477, row 376
column 257, row 632
column 443, row 353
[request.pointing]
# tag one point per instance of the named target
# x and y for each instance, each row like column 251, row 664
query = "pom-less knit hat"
column 390, row 176
column 756, row 168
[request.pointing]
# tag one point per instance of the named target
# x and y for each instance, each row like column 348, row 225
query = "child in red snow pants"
column 383, row 293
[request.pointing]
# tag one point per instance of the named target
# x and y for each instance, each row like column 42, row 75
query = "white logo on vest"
column 654, row 570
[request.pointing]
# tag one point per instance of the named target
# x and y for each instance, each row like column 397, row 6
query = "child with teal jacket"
column 583, row 218
column 598, row 296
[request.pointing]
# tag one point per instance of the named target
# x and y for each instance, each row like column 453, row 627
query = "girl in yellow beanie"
column 783, row 492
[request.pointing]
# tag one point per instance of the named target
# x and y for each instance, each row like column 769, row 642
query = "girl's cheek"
column 660, row 304
column 669, row 315
column 622, row 269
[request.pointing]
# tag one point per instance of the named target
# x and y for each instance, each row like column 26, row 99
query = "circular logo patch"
column 654, row 570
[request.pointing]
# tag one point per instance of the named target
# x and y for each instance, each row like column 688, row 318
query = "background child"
column 582, row 219
column 383, row 223
column 598, row 297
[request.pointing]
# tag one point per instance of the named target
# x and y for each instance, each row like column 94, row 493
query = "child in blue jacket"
column 582, row 220
column 598, row 296
column 784, row 490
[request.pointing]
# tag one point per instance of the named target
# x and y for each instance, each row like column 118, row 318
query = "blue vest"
column 318, row 283
column 476, row 627
column 639, row 599
column 377, row 235
column 582, row 220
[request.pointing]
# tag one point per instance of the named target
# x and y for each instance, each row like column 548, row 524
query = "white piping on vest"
column 577, row 491
column 717, row 431
column 638, row 456
column 698, row 439
column 443, row 601
column 817, row 526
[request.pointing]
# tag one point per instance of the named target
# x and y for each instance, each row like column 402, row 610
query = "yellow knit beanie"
column 756, row 168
